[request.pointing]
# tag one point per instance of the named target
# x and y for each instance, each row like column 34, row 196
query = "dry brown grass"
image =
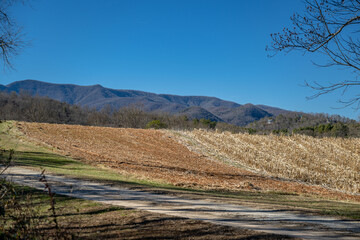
column 330, row 162
column 157, row 156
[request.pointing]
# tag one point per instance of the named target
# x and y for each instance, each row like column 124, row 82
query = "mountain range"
column 97, row 96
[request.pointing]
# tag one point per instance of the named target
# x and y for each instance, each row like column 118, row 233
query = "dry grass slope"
column 157, row 156
column 330, row 162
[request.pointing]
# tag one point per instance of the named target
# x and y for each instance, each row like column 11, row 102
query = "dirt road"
column 270, row 221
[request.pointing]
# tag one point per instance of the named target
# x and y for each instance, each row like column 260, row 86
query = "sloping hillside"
column 97, row 97
column 159, row 155
column 330, row 162
column 273, row 110
column 244, row 115
column 199, row 113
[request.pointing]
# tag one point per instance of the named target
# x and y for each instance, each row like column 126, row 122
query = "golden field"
column 328, row 162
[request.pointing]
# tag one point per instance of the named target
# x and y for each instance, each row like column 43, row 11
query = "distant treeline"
column 317, row 125
column 24, row 107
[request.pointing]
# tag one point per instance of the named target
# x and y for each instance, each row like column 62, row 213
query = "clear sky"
column 182, row 47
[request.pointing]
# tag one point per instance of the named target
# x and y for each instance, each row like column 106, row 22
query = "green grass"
column 30, row 216
column 59, row 164
column 41, row 201
column 31, row 155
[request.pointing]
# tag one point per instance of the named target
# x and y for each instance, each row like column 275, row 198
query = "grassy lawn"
column 28, row 215
column 81, row 219
column 31, row 155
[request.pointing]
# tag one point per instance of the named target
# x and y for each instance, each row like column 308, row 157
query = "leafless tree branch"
column 328, row 27
column 11, row 37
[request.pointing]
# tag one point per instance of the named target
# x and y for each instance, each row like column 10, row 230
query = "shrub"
column 156, row 124
column 340, row 130
column 251, row 131
column 208, row 123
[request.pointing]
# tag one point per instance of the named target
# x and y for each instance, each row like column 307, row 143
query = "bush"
column 340, row 130
column 156, row 124
column 251, row 131
column 208, row 123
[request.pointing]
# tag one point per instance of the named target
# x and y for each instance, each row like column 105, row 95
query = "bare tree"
column 11, row 37
column 329, row 27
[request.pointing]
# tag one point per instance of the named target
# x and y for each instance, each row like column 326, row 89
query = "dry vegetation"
column 157, row 155
column 330, row 162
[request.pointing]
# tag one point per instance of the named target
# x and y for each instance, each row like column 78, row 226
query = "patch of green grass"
column 30, row 155
column 12, row 138
column 56, row 163
column 41, row 201
column 31, row 208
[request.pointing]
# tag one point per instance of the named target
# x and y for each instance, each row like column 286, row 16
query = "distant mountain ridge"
column 97, row 96
column 199, row 113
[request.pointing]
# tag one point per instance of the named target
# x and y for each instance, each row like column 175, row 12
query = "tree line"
column 316, row 125
column 24, row 107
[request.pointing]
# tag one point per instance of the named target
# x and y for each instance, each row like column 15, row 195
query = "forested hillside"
column 24, row 107
column 320, row 125
column 99, row 97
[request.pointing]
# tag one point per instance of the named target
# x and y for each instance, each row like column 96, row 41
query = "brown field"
column 158, row 155
column 329, row 162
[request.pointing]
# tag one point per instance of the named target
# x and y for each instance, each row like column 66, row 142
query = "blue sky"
column 183, row 47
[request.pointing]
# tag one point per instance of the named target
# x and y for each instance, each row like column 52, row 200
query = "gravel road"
column 270, row 221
